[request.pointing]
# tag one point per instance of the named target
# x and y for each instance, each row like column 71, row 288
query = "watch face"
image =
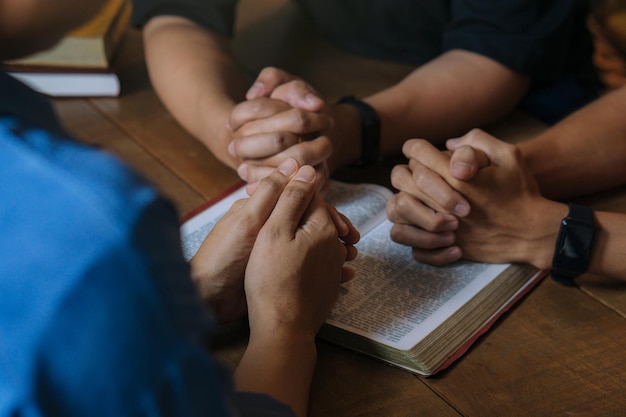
column 574, row 246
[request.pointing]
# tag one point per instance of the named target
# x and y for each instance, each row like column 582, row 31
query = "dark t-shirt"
column 541, row 39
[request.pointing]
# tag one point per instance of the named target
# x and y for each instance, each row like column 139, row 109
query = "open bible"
column 408, row 314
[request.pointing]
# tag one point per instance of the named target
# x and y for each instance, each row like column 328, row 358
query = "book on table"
column 69, row 83
column 411, row 315
column 82, row 63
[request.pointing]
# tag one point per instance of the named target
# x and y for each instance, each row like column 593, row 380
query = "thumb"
column 466, row 161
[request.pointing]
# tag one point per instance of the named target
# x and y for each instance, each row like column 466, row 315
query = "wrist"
column 281, row 326
column 542, row 233
column 280, row 365
column 209, row 293
column 345, row 136
column 292, row 344
column 574, row 244
column 369, row 128
column 287, row 336
column 216, row 134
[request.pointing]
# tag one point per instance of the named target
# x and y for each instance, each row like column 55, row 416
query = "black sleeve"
column 215, row 15
column 539, row 39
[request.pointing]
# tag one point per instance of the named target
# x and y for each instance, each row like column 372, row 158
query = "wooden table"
column 561, row 351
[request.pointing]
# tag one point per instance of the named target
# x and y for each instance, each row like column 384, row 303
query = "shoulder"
column 215, row 15
column 96, row 297
column 72, row 213
column 529, row 37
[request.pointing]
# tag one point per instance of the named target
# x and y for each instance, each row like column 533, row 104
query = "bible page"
column 396, row 300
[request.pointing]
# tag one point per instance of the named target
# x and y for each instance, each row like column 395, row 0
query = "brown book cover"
column 91, row 45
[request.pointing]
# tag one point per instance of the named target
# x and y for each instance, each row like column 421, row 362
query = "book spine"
column 117, row 30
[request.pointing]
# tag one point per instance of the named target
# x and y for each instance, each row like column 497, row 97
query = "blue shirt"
column 98, row 314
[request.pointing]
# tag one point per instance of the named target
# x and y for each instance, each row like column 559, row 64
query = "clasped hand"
column 477, row 200
column 284, row 245
column 282, row 117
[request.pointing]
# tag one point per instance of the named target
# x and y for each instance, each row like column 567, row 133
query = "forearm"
column 445, row 98
column 280, row 364
column 584, row 153
column 196, row 77
column 607, row 255
column 607, row 252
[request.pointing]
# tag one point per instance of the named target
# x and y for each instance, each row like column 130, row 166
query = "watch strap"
column 370, row 131
column 573, row 246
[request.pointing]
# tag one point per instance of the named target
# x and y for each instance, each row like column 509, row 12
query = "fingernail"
column 288, row 167
column 462, row 209
column 462, row 170
column 448, row 239
column 255, row 89
column 311, row 98
column 231, row 149
column 306, row 174
column 454, row 252
column 242, row 171
column 452, row 223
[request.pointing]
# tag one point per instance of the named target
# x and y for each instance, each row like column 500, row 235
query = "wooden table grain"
column 559, row 352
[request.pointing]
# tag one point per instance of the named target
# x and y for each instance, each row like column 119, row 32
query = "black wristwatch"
column 573, row 245
column 370, row 131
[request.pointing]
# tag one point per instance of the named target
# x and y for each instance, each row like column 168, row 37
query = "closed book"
column 91, row 45
column 60, row 82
